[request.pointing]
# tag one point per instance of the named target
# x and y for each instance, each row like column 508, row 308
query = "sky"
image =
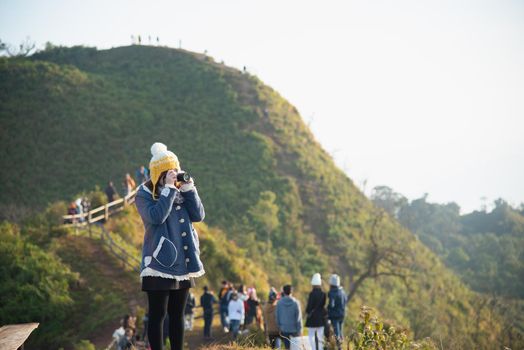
column 422, row 96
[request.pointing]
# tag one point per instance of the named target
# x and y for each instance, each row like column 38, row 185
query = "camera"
column 183, row 177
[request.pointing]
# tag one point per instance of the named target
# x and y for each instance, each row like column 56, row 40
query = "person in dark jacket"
column 289, row 316
column 252, row 306
column 316, row 314
column 336, row 307
column 223, row 297
column 206, row 301
column 110, row 192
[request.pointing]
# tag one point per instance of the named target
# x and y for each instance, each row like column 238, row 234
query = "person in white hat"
column 316, row 314
column 336, row 307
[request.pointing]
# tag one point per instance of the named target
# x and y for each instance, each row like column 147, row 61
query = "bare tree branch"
column 24, row 49
column 383, row 257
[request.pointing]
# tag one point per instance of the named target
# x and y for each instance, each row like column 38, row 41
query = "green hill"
column 73, row 118
column 76, row 288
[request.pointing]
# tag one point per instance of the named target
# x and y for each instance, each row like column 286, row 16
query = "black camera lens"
column 183, row 177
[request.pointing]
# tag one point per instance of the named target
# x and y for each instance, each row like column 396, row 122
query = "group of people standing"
column 239, row 308
column 281, row 316
column 80, row 206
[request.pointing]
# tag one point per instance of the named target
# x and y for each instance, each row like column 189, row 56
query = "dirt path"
column 194, row 339
column 101, row 272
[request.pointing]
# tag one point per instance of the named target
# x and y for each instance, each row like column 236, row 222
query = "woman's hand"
column 171, row 177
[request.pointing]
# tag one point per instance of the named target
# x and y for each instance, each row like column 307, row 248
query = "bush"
column 97, row 198
column 373, row 334
column 84, row 345
column 34, row 288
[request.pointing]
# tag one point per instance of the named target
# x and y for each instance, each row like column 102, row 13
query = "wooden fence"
column 101, row 213
column 94, row 216
column 119, row 252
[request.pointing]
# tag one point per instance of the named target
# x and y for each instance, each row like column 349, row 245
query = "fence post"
column 106, row 212
column 89, row 223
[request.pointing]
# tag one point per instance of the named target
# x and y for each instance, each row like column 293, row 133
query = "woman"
column 252, row 306
column 236, row 314
column 316, row 314
column 170, row 255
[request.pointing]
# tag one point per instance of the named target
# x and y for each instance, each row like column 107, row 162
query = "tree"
column 25, row 48
column 382, row 256
column 389, row 200
column 264, row 215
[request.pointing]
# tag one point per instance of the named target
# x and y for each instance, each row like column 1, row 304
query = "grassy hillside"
column 73, row 118
column 71, row 283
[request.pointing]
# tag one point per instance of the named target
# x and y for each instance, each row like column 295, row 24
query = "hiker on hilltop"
column 270, row 320
column 110, row 192
column 170, row 254
column 206, row 301
column 289, row 316
column 336, row 307
column 316, row 313
column 236, row 314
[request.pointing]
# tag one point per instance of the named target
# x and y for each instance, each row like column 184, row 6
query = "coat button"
column 185, row 247
column 184, row 234
column 187, row 260
column 177, row 207
column 182, row 221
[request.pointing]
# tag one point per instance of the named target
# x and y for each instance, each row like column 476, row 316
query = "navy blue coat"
column 171, row 245
column 337, row 303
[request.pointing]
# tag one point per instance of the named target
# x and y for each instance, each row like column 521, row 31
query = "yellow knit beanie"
column 161, row 161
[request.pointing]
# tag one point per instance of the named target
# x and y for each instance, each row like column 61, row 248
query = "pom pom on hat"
column 158, row 149
column 316, row 280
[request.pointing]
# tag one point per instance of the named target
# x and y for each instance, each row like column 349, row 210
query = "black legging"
column 174, row 302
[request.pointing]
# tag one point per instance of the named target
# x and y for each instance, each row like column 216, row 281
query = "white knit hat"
column 316, row 280
column 334, row 280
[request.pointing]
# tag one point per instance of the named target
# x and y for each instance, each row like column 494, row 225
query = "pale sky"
column 422, row 96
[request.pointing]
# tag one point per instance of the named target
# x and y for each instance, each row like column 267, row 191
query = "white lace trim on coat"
column 154, row 273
